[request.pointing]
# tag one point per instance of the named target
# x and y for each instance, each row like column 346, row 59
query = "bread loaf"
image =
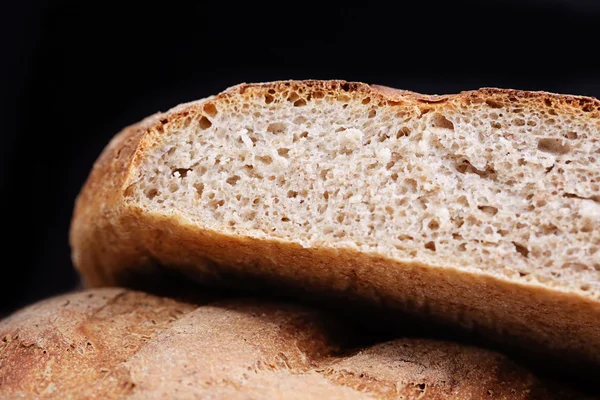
column 479, row 209
column 115, row 343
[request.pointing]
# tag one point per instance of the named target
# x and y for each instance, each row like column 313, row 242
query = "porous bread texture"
column 506, row 184
column 121, row 344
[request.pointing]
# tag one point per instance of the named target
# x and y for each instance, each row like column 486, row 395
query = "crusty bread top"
column 115, row 343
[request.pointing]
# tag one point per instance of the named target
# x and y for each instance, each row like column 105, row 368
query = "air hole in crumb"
column 304, row 135
column 265, row 159
column 433, row 225
column 411, row 184
column 276, row 127
column 493, row 103
column 521, row 249
column 269, row 99
column 462, row 247
column 293, row 97
column 272, row 177
column 576, row 267
column 571, row 135
column 323, row 174
column 404, row 131
column 585, row 287
column 372, row 113
column 292, row 194
column 587, row 227
column 366, row 100
column 182, row 172
column 588, row 107
column 204, row 123
column 202, row 170
column 430, row 246
column 440, row 121
column 199, row 188
column 394, row 177
column 187, row 122
column 326, row 195
column 232, row 180
column 283, row 152
column 173, row 187
column 152, row 193
column 340, row 218
column 300, row 103
column 488, row 210
column 540, row 203
column 553, row 146
column 299, row 120
column 465, row 167
column 214, row 204
column 285, row 219
column 210, row 109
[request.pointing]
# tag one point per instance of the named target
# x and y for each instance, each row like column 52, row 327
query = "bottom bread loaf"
column 117, row 343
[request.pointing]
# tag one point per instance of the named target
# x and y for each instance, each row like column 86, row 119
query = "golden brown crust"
column 114, row 343
column 110, row 236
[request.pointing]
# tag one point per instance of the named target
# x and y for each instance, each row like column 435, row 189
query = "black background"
column 75, row 73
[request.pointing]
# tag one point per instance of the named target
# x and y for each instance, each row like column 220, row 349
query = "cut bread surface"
column 494, row 182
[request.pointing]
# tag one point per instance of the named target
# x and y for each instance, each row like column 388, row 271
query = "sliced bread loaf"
column 480, row 209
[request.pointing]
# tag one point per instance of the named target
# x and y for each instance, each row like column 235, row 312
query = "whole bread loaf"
column 480, row 209
column 115, row 343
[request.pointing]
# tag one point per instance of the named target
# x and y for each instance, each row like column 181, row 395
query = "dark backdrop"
column 75, row 73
